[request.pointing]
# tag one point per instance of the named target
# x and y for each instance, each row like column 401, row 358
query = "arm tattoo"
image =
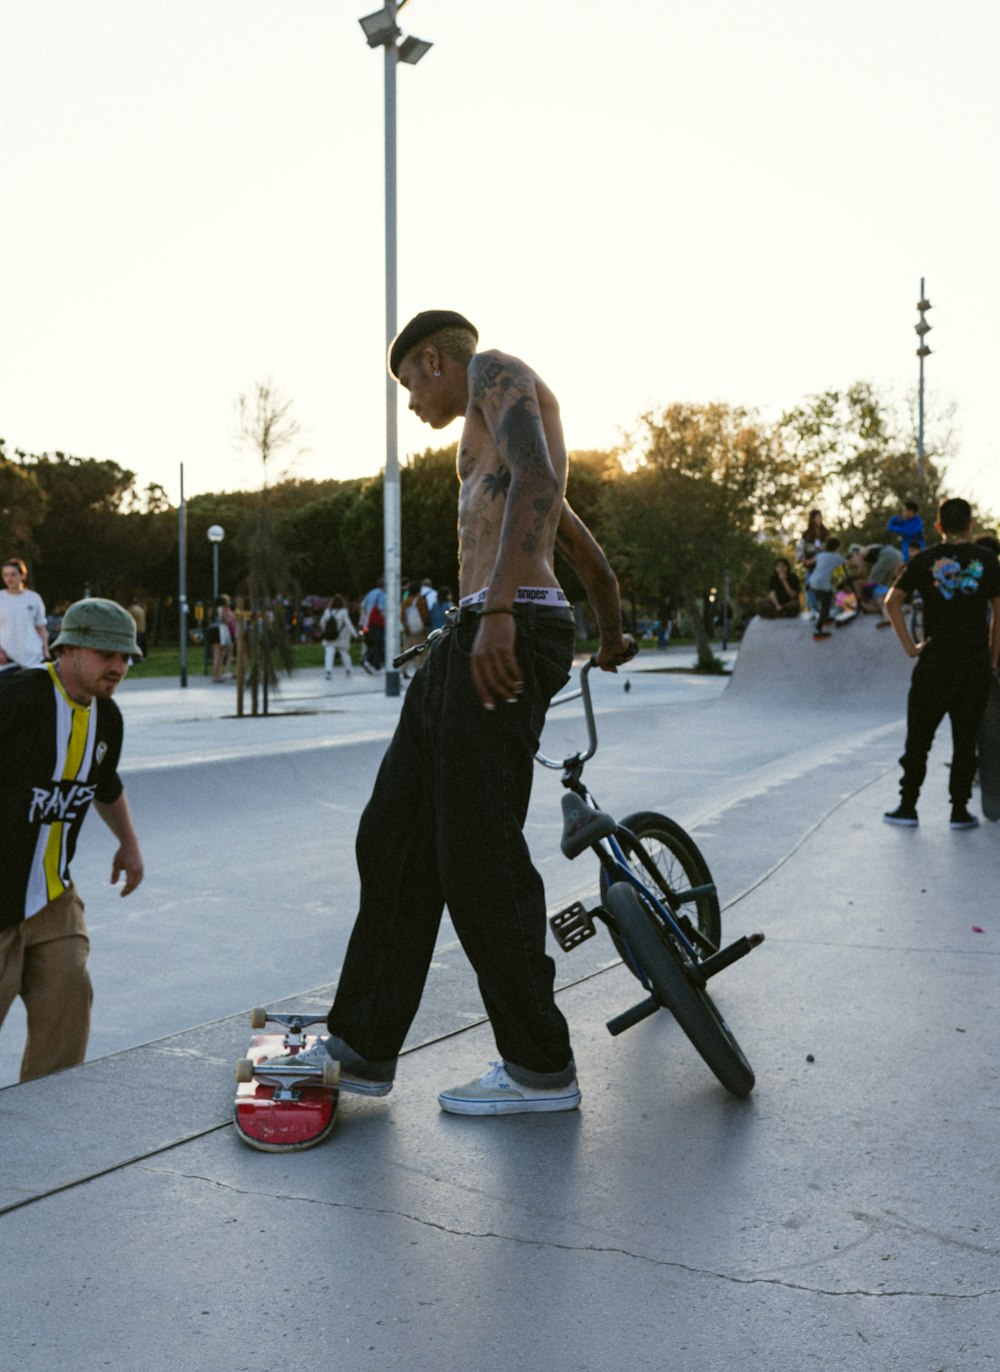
column 497, row 483
column 510, row 406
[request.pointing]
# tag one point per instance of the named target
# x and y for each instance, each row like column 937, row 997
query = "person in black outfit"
column 959, row 583
column 782, row 599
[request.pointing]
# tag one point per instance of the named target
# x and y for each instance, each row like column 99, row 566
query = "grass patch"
column 164, row 660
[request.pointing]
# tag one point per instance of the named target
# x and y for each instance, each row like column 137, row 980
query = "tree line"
column 694, row 495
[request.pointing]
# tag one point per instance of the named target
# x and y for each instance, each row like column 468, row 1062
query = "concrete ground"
column 845, row 1216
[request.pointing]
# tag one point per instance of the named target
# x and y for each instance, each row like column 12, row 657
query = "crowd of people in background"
column 820, row 579
column 837, row 586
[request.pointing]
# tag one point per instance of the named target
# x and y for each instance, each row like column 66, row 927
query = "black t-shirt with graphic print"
column 956, row 582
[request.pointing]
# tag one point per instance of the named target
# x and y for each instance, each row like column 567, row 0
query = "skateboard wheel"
column 331, row 1073
column 258, row 1018
column 244, row 1070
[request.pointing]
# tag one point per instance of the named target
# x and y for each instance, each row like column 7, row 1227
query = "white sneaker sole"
column 508, row 1105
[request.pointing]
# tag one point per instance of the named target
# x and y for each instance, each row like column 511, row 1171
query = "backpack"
column 331, row 629
column 415, row 614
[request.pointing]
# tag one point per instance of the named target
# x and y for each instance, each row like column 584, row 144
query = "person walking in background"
column 372, row 625
column 60, row 740
column 665, row 622
column 959, row 583
column 416, row 621
column 24, row 635
column 338, row 632
column 443, row 602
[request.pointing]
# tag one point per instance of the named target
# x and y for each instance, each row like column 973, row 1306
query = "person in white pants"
column 342, row 631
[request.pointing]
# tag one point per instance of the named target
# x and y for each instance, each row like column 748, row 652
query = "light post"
column 382, row 31
column 216, row 534
column 182, row 604
column 921, row 329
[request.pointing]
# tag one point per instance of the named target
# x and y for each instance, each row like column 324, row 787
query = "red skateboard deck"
column 283, row 1114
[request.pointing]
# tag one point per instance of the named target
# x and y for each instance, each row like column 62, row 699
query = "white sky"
column 648, row 200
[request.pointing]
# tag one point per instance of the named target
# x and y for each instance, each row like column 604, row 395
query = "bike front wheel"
column 673, row 864
column 666, row 970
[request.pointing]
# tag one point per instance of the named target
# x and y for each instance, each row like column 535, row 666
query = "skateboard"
column 283, row 1113
column 989, row 754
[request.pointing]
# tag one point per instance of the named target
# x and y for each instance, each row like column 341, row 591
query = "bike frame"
column 609, row 851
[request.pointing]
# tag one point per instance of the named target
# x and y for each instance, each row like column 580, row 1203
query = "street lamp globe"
column 216, row 534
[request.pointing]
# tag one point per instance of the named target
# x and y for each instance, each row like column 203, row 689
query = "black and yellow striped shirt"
column 55, row 758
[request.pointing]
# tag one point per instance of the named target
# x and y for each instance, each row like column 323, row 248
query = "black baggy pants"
column 960, row 690
column 444, row 826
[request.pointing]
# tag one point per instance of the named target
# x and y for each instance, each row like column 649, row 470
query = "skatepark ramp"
column 860, row 668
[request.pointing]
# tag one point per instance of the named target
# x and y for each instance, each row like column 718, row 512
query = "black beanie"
column 421, row 326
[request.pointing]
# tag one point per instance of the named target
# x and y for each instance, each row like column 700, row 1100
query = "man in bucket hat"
column 60, row 740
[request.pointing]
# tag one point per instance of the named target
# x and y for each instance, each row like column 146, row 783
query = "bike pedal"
column 572, row 926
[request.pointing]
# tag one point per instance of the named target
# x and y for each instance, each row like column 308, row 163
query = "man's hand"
column 127, row 861
column 496, row 673
column 128, row 858
column 611, row 653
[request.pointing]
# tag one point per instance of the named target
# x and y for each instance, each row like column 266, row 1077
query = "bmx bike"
column 660, row 905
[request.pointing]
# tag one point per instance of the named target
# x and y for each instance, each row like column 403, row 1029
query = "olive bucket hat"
column 101, row 624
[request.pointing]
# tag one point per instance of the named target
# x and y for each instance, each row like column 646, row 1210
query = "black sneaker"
column 821, row 634
column 961, row 819
column 903, row 814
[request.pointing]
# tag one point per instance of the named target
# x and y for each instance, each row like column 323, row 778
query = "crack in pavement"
column 600, row 1249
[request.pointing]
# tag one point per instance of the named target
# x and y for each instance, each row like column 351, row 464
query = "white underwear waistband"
column 526, row 595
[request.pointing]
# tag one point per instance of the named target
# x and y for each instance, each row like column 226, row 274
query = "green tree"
column 429, row 515
column 591, row 478
column 858, row 461
column 266, row 426
column 79, row 540
column 314, row 540
column 708, row 482
column 22, row 508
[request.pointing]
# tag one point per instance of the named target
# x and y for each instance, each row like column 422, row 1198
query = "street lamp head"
column 216, row 533
column 380, row 28
column 412, row 49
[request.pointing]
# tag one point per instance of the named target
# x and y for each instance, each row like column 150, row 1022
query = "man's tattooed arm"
column 586, row 556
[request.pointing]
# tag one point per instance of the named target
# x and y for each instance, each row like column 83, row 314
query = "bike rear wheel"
column 666, row 969
column 679, row 866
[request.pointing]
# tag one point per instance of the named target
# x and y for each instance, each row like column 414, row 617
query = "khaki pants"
column 44, row 961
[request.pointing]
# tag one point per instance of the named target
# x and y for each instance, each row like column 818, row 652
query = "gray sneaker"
column 310, row 1062
column 496, row 1093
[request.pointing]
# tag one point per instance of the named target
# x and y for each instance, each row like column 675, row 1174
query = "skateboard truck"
column 572, row 926
column 294, row 1025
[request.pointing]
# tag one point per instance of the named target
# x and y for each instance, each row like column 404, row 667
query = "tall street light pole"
column 215, row 536
column 382, row 31
column 921, row 329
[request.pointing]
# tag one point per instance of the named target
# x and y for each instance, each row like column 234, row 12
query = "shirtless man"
column 445, row 821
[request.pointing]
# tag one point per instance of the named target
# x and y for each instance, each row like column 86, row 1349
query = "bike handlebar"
column 583, row 693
